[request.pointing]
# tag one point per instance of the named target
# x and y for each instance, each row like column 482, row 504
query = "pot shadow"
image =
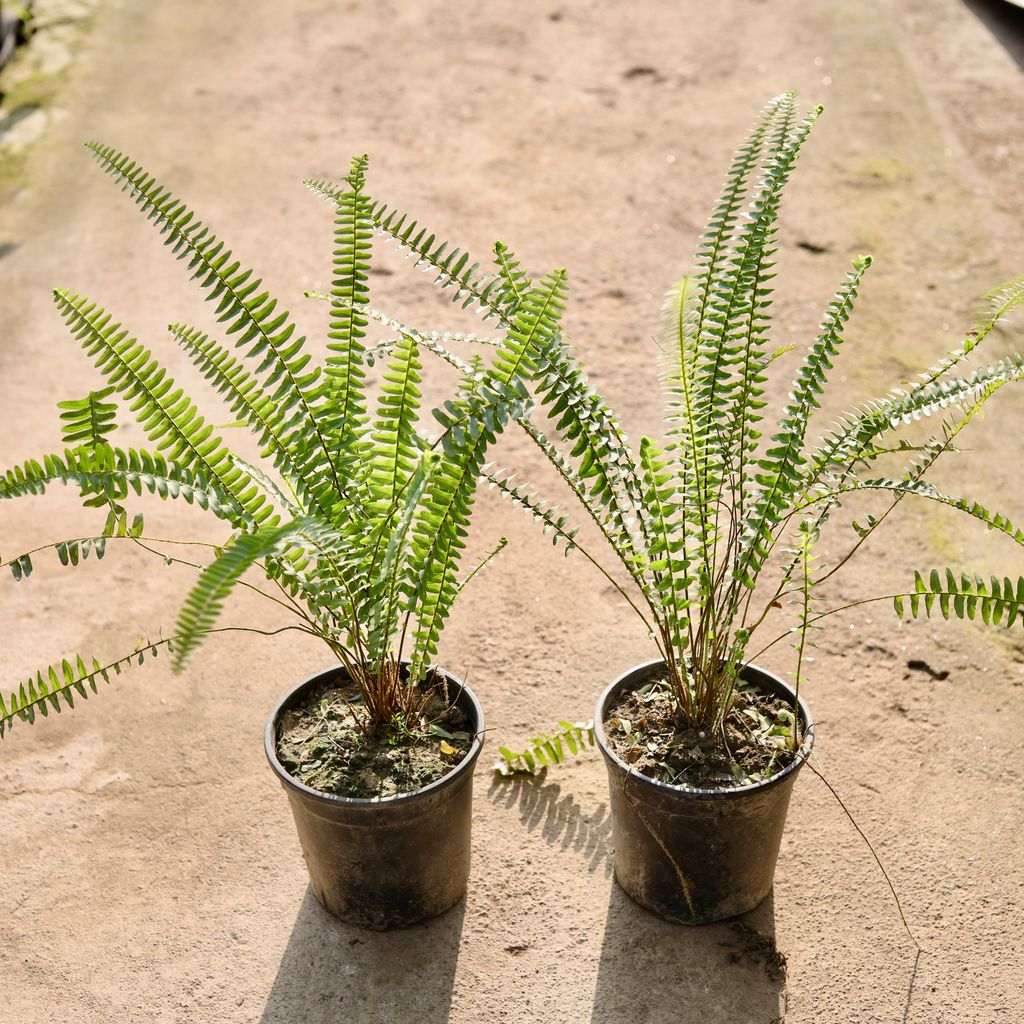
column 1005, row 21
column 561, row 821
column 334, row 972
column 657, row 972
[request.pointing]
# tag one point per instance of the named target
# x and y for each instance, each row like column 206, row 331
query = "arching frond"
column 966, row 597
column 288, row 442
column 263, row 333
column 395, row 445
column 206, row 599
column 168, row 416
column 780, row 471
column 101, row 471
column 471, row 426
column 55, row 687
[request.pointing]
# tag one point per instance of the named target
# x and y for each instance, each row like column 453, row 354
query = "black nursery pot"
column 388, row 862
column 696, row 855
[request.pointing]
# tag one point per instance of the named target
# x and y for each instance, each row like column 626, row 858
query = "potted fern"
column 357, row 523
column 717, row 530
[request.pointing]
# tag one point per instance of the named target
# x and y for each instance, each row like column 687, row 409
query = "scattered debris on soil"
column 753, row 744
column 758, row 948
column 814, row 247
column 917, row 665
column 642, row 71
column 323, row 745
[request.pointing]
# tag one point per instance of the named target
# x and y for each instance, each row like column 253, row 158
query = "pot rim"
column 710, row 794
column 333, row 799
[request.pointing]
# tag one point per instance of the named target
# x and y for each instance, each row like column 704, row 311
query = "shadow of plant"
column 561, row 821
column 662, row 973
column 334, row 972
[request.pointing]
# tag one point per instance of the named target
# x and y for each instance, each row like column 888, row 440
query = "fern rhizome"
column 357, row 521
column 717, row 525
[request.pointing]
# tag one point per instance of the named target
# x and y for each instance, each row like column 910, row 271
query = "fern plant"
column 357, row 521
column 718, row 524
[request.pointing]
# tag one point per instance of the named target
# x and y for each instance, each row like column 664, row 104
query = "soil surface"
column 151, row 871
column 753, row 744
column 325, row 745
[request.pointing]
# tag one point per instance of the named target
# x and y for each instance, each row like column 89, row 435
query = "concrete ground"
column 150, row 871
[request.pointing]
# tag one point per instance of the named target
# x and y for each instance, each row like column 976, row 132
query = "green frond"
column 322, row 188
column 719, row 233
column 533, row 327
column 390, row 582
column 807, row 538
column 264, row 334
column 395, row 445
column 288, row 441
column 206, row 599
column 85, row 424
column 935, row 389
column 600, row 466
column 921, row 489
column 716, row 328
column 471, row 425
column 687, row 439
column 70, row 552
column 55, row 687
column 611, row 521
column 552, row 520
column 550, row 517
column 482, row 564
column 670, row 562
column 550, row 748
column 286, row 500
column 679, row 342
column 435, row 342
column 852, row 441
column 343, row 407
column 734, row 319
column 76, row 550
column 997, row 304
column 514, row 281
column 167, row 415
column 453, row 268
column 440, row 537
column 781, row 468
column 968, row 597
column 114, row 470
column 729, row 261
column 88, row 420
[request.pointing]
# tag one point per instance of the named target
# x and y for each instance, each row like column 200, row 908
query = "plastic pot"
column 696, row 855
column 385, row 862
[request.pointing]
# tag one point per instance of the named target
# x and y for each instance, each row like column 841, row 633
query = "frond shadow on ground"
column 650, row 969
column 559, row 818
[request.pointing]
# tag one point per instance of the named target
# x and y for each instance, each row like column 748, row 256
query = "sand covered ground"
column 150, row 869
